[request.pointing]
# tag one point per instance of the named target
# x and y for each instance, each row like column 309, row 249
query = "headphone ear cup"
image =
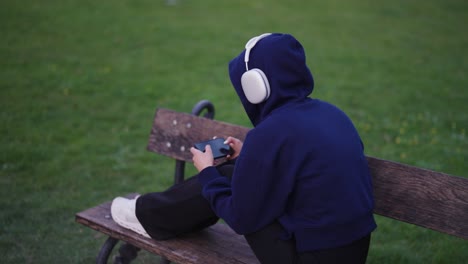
column 255, row 86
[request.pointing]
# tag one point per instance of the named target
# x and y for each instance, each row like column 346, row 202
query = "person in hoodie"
column 298, row 187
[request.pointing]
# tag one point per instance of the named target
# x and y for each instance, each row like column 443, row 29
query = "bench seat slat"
column 216, row 244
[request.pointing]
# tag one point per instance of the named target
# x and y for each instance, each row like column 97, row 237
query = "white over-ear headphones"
column 254, row 82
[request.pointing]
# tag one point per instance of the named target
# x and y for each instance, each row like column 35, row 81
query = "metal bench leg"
column 106, row 249
column 127, row 253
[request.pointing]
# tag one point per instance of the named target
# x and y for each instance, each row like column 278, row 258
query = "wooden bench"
column 413, row 195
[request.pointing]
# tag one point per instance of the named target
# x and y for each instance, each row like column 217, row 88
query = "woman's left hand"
column 202, row 160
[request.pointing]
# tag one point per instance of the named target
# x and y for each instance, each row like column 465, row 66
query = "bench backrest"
column 418, row 196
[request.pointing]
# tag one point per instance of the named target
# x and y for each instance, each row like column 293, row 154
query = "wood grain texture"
column 217, row 244
column 173, row 133
column 422, row 197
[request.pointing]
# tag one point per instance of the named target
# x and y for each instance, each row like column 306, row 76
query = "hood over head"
column 281, row 57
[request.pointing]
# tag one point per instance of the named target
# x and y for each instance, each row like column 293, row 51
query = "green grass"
column 80, row 80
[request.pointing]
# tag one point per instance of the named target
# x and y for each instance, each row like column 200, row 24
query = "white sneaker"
column 123, row 213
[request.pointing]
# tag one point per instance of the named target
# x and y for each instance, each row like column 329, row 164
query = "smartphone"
column 220, row 150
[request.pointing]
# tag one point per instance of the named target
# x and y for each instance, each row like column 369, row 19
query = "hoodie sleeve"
column 258, row 191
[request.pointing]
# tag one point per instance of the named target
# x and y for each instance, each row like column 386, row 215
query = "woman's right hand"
column 236, row 145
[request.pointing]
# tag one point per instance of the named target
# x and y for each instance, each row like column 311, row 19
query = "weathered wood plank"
column 173, row 133
column 422, row 197
column 216, row 244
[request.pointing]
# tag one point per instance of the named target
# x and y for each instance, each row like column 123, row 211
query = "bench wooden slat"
column 216, row 244
column 422, row 197
column 418, row 196
column 173, row 133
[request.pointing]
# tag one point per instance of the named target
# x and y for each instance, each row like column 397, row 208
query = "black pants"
column 270, row 249
column 182, row 209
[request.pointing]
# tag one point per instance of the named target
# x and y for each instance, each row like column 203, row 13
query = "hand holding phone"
column 236, row 146
column 219, row 149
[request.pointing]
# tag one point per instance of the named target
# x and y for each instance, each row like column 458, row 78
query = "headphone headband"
column 250, row 44
column 254, row 82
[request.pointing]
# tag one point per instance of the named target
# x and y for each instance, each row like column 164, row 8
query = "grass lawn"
column 80, row 81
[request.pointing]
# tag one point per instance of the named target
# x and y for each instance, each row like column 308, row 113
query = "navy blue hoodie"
column 302, row 164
